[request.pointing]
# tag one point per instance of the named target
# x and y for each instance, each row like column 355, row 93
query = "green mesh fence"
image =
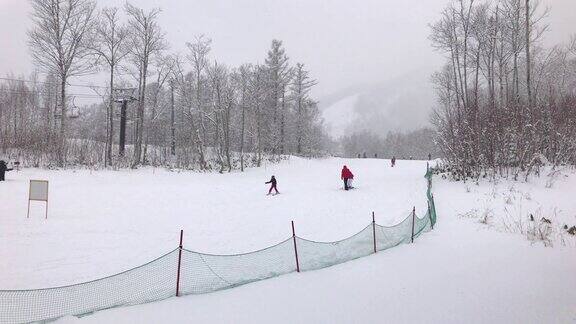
column 203, row 273
column 430, row 198
column 149, row 282
column 315, row 255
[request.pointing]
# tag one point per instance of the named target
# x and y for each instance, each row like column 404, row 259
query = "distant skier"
column 272, row 185
column 393, row 161
column 429, row 156
column 347, row 177
column 3, row 169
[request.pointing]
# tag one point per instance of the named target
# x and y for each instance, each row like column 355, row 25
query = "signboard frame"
column 41, row 196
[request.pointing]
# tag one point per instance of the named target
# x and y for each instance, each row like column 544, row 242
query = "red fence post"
column 295, row 248
column 413, row 217
column 374, row 231
column 179, row 263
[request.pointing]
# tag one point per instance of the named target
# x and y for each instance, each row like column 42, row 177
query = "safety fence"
column 182, row 271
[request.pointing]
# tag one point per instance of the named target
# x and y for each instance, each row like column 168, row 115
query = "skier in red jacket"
column 347, row 176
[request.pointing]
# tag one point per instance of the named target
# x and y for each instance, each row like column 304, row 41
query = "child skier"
column 272, row 185
column 347, row 176
column 3, row 169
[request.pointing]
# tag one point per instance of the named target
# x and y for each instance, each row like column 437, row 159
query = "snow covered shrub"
column 540, row 231
column 472, row 213
column 552, row 177
column 487, row 216
column 512, row 221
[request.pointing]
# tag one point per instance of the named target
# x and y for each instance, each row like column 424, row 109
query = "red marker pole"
column 374, row 231
column 295, row 248
column 413, row 216
column 179, row 263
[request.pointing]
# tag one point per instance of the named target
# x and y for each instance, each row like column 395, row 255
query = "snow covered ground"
column 520, row 207
column 462, row 271
column 121, row 219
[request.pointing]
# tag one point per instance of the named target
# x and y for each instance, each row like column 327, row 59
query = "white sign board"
column 38, row 191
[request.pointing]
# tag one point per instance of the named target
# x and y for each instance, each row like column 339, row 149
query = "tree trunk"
column 62, row 141
column 242, row 130
column 110, row 139
column 282, row 123
column 172, row 127
column 140, row 119
column 528, row 66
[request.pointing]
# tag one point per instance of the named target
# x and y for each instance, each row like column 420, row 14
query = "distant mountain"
column 401, row 104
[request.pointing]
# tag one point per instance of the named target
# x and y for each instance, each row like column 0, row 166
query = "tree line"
column 418, row 144
column 186, row 110
column 506, row 105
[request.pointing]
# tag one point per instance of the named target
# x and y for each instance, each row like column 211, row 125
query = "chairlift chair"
column 72, row 113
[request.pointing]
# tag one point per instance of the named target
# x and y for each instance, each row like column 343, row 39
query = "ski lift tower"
column 123, row 96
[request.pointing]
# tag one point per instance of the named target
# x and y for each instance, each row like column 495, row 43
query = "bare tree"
column 198, row 56
column 59, row 44
column 163, row 71
column 242, row 79
column 146, row 39
column 527, row 46
column 479, row 133
column 111, row 49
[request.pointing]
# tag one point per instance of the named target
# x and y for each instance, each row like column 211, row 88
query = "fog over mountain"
column 381, row 107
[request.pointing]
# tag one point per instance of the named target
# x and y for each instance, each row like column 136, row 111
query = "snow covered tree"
column 279, row 75
column 59, row 44
column 300, row 89
column 190, row 113
column 496, row 120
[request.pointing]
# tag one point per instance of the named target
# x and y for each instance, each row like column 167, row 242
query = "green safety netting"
column 149, row 282
column 203, row 273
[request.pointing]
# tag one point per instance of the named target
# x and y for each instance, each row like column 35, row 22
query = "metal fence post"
column 413, row 217
column 295, row 248
column 374, row 231
column 179, row 263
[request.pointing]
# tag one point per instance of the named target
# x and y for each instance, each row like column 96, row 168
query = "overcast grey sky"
column 342, row 42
